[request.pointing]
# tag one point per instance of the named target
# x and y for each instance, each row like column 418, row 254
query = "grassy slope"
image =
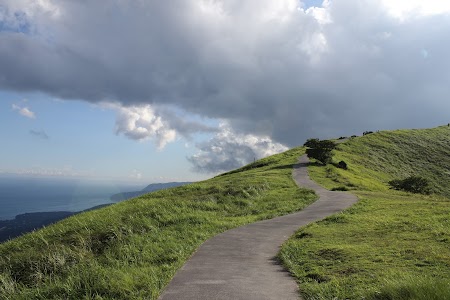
column 390, row 245
column 132, row 249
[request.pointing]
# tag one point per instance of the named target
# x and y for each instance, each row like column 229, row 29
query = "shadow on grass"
column 316, row 164
column 305, row 164
column 283, row 167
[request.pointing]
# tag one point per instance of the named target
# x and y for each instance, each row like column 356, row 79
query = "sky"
column 157, row 91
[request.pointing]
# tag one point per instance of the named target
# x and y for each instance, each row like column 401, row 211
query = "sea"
column 19, row 195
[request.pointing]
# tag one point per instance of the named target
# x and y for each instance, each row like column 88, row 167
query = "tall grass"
column 132, row 249
column 413, row 287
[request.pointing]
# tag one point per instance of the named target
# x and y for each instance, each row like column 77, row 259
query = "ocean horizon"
column 20, row 195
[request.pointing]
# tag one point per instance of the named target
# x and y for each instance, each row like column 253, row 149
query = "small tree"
column 412, row 184
column 311, row 143
column 320, row 150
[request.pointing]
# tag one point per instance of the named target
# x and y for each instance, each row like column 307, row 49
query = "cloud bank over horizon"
column 270, row 73
column 228, row 150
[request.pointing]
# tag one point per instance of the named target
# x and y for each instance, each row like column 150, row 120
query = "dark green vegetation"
column 391, row 244
column 412, row 184
column 132, row 249
column 320, row 150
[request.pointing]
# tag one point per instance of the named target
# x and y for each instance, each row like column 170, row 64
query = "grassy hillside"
column 376, row 158
column 132, row 249
column 390, row 245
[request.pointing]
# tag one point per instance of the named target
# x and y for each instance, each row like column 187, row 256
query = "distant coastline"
column 148, row 189
column 28, row 222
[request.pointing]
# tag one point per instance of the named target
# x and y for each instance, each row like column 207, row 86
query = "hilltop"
column 379, row 157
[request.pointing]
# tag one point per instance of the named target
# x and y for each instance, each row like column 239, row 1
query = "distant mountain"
column 149, row 188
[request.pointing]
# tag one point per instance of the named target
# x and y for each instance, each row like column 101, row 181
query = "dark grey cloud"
column 39, row 134
column 184, row 123
column 266, row 67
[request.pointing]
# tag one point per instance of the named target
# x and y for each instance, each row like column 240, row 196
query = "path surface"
column 240, row 263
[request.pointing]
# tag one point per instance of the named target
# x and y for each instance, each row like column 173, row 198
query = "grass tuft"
column 412, row 287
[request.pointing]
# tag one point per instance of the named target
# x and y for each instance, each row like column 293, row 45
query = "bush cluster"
column 412, row 184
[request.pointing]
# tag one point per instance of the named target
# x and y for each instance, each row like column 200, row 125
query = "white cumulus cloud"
column 228, row 150
column 24, row 111
column 403, row 10
column 141, row 123
column 158, row 123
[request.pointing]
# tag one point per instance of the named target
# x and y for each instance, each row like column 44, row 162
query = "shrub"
column 340, row 188
column 322, row 155
column 412, row 184
column 342, row 164
column 320, row 150
column 311, row 143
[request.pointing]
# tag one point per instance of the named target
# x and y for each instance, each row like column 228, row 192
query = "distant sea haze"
column 28, row 195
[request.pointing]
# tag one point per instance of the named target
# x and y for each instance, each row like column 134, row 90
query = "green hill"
column 376, row 158
column 390, row 245
column 132, row 249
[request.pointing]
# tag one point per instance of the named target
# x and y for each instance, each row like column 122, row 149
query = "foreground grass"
column 390, row 245
column 368, row 249
column 131, row 250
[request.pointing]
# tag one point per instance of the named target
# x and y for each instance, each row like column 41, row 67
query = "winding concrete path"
column 240, row 263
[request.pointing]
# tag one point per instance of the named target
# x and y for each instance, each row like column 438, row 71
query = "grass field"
column 390, row 245
column 131, row 250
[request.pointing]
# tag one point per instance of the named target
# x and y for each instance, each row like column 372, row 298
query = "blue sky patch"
column 311, row 3
column 15, row 22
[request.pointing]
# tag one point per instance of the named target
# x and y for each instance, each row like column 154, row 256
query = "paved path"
column 240, row 263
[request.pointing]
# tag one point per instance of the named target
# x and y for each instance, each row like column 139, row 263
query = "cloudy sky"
column 180, row 90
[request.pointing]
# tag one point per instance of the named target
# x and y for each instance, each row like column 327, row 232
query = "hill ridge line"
column 241, row 263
